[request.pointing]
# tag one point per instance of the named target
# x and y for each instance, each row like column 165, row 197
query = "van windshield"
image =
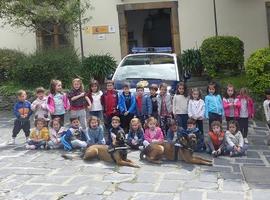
column 147, row 67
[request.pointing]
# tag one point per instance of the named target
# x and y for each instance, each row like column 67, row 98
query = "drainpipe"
column 215, row 17
column 80, row 30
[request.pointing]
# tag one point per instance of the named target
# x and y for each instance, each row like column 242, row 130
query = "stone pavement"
column 46, row 175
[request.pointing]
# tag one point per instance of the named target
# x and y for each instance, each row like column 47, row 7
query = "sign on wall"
column 99, row 29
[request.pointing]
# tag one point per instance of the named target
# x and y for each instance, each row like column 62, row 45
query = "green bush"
column 38, row 69
column 191, row 61
column 258, row 70
column 222, row 52
column 9, row 59
column 98, row 67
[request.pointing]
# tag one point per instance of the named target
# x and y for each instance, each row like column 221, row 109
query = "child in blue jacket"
column 22, row 111
column 94, row 133
column 135, row 135
column 127, row 106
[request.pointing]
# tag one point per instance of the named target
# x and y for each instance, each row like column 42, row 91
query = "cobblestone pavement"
column 45, row 175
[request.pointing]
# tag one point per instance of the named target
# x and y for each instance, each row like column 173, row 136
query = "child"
column 39, row 136
column 180, row 105
column 174, row 132
column 143, row 104
column 78, row 102
column 234, row 140
column 114, row 129
column 22, row 111
column 57, row 101
column 127, row 106
column 196, row 108
column 213, row 104
column 56, row 132
column 191, row 129
column 74, row 136
column 109, row 100
column 94, row 133
column 246, row 112
column 153, row 96
column 135, row 135
column 266, row 106
column 231, row 104
column 152, row 132
column 164, row 107
column 94, row 96
column 39, row 106
column 215, row 143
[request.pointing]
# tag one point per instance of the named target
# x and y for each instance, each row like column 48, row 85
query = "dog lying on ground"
column 181, row 150
column 116, row 153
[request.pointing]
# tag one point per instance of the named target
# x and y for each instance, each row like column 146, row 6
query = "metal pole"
column 215, row 17
column 80, row 29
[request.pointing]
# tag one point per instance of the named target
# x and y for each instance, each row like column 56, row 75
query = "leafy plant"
column 98, row 67
column 222, row 52
column 191, row 61
column 38, row 69
column 8, row 60
column 258, row 70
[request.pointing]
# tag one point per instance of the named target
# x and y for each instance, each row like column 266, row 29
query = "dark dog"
column 116, row 153
column 173, row 152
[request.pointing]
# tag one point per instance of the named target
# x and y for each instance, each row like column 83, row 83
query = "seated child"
column 114, row 129
column 215, row 143
column 94, row 132
column 56, row 131
column 135, row 135
column 173, row 132
column 39, row 106
column 234, row 140
column 38, row 135
column 74, row 136
column 152, row 132
column 191, row 129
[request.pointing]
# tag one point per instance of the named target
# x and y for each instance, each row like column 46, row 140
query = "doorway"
column 149, row 25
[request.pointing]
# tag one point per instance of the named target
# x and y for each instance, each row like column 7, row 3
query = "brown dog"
column 156, row 151
column 116, row 153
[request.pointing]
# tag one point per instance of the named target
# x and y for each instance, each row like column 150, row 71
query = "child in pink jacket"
column 231, row 104
column 152, row 132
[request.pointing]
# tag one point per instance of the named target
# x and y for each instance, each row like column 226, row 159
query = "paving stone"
column 236, row 168
column 83, row 197
column 258, row 195
column 230, row 185
column 258, row 147
column 259, row 175
column 136, row 187
column 225, row 196
column 118, row 178
column 217, row 168
column 126, row 170
column 201, row 184
column 208, row 177
column 245, row 160
column 191, row 195
column 153, row 196
column 222, row 161
column 147, row 177
column 27, row 189
column 253, row 154
column 120, row 195
column 231, row 176
column 179, row 176
column 96, row 187
column 53, row 180
column 169, row 186
column 43, row 197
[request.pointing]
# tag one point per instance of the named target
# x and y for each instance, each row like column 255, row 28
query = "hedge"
column 222, row 52
column 258, row 70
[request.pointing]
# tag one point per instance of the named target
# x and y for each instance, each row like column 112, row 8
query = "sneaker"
column 27, row 139
column 246, row 140
column 30, row 147
column 141, row 148
column 11, row 141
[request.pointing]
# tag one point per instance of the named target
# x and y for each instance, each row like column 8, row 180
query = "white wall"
column 17, row 38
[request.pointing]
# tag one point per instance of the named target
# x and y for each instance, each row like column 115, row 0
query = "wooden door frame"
column 175, row 33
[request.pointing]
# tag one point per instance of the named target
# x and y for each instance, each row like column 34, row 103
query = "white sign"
column 111, row 29
column 101, row 37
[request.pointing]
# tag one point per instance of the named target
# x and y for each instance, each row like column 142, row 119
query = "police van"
column 148, row 66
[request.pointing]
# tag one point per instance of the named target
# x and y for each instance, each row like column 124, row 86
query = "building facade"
column 118, row 25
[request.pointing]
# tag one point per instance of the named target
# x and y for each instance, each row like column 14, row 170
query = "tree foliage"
column 34, row 14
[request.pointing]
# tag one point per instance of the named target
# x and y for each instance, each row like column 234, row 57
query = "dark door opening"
column 149, row 28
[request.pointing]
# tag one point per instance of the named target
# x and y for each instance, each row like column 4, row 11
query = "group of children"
column 145, row 118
